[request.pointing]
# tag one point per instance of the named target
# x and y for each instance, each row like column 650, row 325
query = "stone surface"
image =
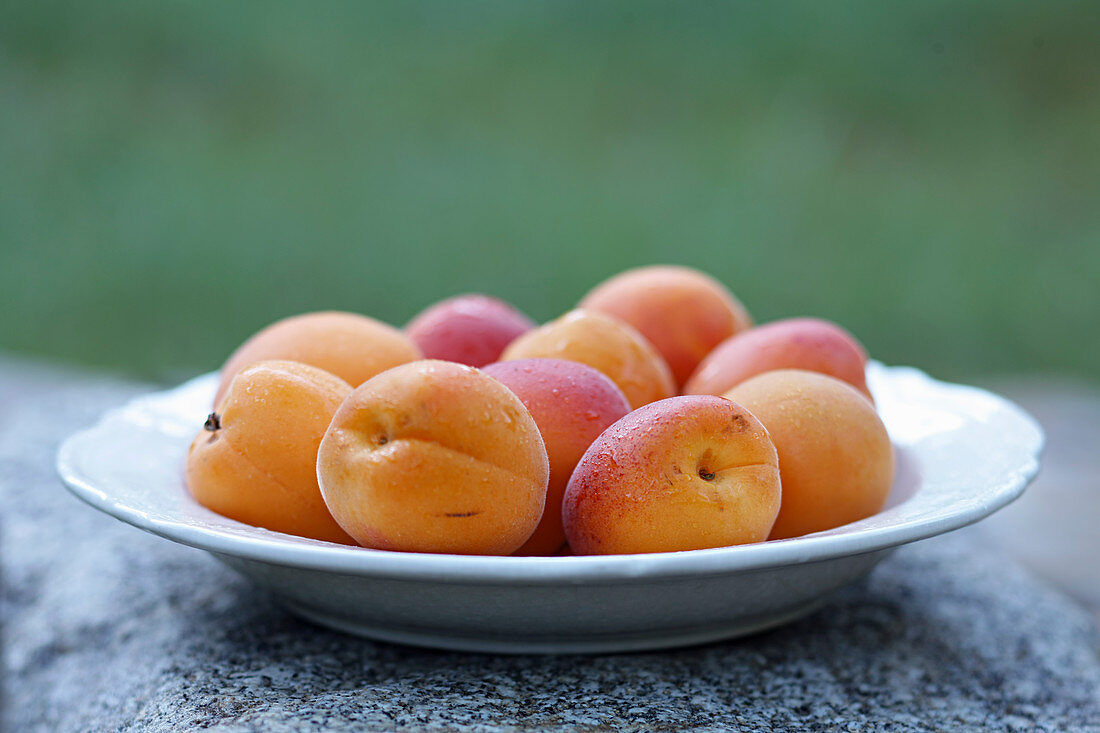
column 108, row 628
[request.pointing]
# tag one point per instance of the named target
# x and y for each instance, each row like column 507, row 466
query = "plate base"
column 653, row 641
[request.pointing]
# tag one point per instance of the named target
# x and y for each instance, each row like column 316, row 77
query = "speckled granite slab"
column 107, row 628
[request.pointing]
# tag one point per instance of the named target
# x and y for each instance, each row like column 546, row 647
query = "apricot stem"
column 706, row 475
column 213, row 422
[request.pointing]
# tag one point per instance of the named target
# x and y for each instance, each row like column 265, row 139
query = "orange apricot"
column 434, row 456
column 605, row 344
column 684, row 313
column 685, row 473
column 835, row 456
column 256, row 458
column 349, row 345
column 810, row 344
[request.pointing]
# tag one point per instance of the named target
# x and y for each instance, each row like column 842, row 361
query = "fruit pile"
column 653, row 418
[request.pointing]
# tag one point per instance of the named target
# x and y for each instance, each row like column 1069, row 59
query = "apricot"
column 351, row 346
column 468, row 329
column 255, row 459
column 684, row 313
column 810, row 344
column 572, row 404
column 434, row 456
column 835, row 456
column 684, row 473
column 605, row 344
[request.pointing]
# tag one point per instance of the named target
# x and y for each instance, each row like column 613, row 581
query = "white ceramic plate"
column 962, row 454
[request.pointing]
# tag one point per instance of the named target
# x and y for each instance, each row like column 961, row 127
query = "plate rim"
column 265, row 546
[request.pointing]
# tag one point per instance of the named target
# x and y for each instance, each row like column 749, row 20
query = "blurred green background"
column 173, row 176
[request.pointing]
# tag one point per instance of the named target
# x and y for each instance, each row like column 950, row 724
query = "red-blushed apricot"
column 684, row 473
column 351, row 346
column 684, row 313
column 835, row 456
column 605, row 344
column 810, row 344
column 434, row 456
column 256, row 459
column 468, row 329
column 572, row 404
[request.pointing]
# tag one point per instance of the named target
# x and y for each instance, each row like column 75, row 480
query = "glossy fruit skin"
column 349, row 345
column 468, row 329
column 683, row 312
column 835, row 456
column 434, row 456
column 572, row 404
column 810, row 344
column 605, row 344
column 256, row 459
column 684, row 473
